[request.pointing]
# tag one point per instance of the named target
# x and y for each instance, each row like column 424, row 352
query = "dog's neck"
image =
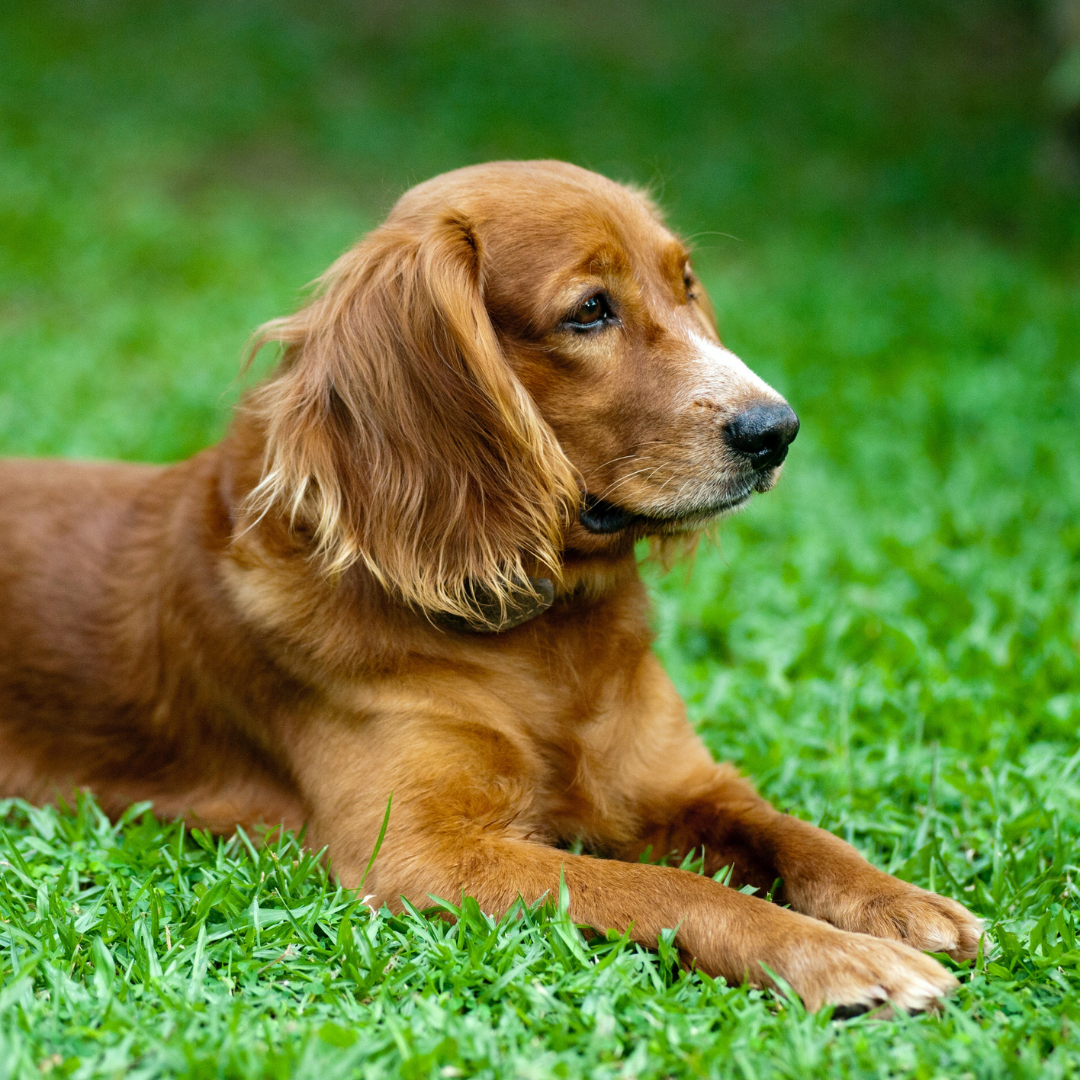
column 594, row 564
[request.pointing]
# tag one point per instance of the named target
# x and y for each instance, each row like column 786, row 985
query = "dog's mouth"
column 604, row 518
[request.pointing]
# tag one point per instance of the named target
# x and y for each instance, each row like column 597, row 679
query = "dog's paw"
column 857, row 971
column 919, row 918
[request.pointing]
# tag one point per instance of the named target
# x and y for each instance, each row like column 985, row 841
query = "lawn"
column 889, row 643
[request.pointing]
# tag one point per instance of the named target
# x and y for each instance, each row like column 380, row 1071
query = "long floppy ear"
column 398, row 436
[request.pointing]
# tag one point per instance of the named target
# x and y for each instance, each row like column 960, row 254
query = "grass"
column 889, row 642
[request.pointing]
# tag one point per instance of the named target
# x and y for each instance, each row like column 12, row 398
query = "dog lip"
column 603, row 518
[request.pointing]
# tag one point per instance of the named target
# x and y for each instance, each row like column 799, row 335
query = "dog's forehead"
column 547, row 231
column 542, row 213
column 593, row 230
column 550, row 244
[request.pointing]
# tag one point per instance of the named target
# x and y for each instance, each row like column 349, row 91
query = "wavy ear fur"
column 399, row 437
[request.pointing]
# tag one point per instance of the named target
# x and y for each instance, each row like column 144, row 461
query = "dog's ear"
column 398, row 437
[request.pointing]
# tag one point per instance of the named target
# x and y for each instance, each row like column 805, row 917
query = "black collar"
column 494, row 616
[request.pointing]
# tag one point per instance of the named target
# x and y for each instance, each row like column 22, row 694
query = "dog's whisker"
column 636, row 453
column 625, row 479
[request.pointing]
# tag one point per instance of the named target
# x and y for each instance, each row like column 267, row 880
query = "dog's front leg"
column 821, row 875
column 463, row 821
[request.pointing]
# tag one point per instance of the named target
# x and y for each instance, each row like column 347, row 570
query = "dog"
column 408, row 573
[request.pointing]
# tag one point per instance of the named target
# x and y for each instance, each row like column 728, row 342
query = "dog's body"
column 305, row 618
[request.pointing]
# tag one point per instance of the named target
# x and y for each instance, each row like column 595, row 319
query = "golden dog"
column 410, row 568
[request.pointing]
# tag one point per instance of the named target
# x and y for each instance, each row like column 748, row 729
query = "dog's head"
column 518, row 362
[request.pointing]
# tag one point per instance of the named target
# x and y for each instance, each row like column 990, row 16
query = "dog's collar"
column 494, row 616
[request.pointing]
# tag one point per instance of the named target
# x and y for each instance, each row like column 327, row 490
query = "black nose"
column 763, row 433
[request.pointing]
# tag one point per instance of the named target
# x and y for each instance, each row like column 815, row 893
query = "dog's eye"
column 688, row 281
column 593, row 312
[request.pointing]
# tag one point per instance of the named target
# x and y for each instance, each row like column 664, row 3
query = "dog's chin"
column 603, row 518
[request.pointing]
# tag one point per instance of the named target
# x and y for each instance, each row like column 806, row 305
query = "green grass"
column 889, row 642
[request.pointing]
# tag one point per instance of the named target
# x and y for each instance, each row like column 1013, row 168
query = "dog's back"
column 65, row 532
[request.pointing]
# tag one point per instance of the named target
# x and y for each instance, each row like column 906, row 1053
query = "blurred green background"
column 885, row 206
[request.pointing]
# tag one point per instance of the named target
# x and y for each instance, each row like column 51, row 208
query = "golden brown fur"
column 278, row 630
